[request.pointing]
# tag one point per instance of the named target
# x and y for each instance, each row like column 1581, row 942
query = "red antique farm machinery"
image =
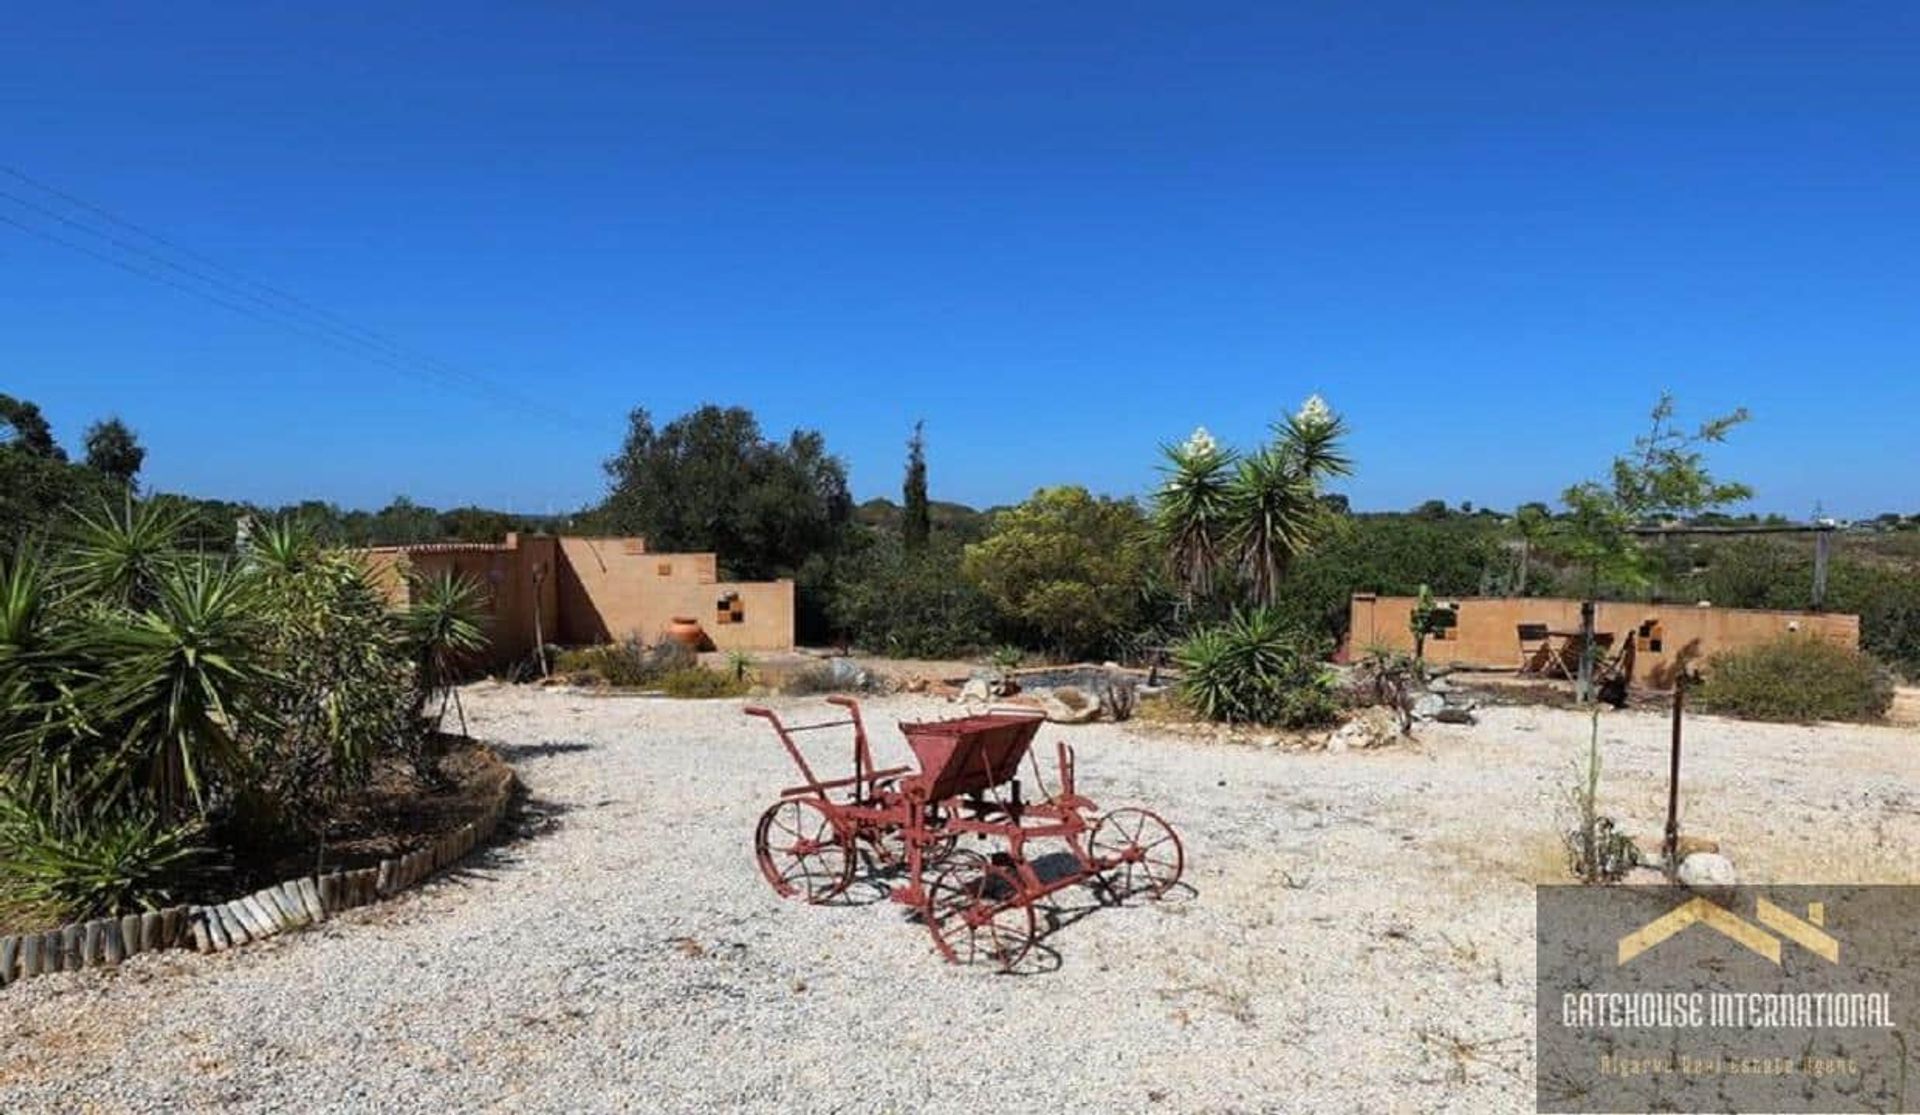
column 979, row 907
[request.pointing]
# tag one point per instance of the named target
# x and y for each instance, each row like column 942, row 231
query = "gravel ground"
column 1358, row 935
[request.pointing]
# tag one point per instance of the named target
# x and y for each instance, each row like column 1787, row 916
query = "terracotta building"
column 575, row 591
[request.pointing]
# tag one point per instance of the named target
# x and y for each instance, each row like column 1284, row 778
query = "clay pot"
column 687, row 631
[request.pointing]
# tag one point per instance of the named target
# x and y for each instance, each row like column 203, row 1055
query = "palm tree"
column 1274, row 504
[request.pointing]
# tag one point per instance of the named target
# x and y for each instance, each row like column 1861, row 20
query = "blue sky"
column 1489, row 234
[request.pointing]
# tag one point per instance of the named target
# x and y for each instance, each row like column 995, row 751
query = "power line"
column 194, row 291
column 304, row 318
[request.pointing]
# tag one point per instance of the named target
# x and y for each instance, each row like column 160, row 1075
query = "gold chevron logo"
column 1807, row 933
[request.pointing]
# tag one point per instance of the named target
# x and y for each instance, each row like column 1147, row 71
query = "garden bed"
column 393, row 815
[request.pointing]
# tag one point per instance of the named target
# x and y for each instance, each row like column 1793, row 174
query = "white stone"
column 1707, row 869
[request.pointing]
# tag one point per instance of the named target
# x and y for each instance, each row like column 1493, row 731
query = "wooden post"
column 1583, row 685
column 1822, row 543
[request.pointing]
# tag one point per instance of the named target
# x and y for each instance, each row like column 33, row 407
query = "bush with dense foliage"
column 1797, row 678
column 1256, row 669
column 699, row 682
column 889, row 600
column 631, row 664
column 1066, row 570
column 157, row 704
column 1764, row 573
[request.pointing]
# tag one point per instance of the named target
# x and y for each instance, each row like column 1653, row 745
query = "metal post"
column 1821, row 543
column 1583, row 686
column 1672, row 842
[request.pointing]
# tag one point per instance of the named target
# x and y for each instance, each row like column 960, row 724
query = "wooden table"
column 1563, row 651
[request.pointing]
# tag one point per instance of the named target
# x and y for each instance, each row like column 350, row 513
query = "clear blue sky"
column 1490, row 234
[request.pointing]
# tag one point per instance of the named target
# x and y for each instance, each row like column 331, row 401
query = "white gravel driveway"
column 1359, row 936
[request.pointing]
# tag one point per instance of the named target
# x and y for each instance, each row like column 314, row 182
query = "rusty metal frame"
column 926, row 809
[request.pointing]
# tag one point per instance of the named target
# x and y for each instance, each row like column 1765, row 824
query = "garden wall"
column 614, row 588
column 597, row 590
column 1487, row 636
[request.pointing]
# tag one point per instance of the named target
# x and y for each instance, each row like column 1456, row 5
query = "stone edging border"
column 293, row 904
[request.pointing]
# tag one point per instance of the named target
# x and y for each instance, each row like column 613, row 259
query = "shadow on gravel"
column 541, row 750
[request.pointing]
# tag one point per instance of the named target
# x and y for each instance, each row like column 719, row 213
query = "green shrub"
column 1255, row 669
column 1797, row 678
column 1066, row 570
column 696, row 682
column 909, row 605
column 71, row 868
column 628, row 665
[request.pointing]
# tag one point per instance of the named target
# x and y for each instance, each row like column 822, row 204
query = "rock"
column 1439, row 685
column 1455, row 714
column 1067, row 705
column 977, row 689
column 1705, row 870
column 1428, row 705
column 1688, row 845
column 845, row 673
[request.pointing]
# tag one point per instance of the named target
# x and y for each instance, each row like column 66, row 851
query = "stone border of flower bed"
column 293, row 904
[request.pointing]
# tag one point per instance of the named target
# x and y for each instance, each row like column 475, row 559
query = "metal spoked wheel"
column 977, row 914
column 801, row 853
column 1145, row 852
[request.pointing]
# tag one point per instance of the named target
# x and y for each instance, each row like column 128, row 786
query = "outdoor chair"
column 1533, row 646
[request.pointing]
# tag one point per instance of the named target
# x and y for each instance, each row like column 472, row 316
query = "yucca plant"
column 1274, row 502
column 445, row 625
column 1220, row 516
column 38, row 755
column 284, row 547
column 180, row 686
column 1254, row 669
column 120, row 557
column 1191, row 510
column 69, row 866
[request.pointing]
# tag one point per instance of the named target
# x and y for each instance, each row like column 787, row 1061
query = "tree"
column 24, row 428
column 1275, row 502
column 1220, row 516
column 709, row 482
column 113, row 450
column 1191, row 510
column 404, row 522
column 1066, row 567
column 1531, row 521
column 917, row 521
column 1663, row 477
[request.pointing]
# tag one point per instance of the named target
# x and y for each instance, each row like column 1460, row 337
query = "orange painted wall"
column 1486, row 634
column 612, row 589
column 518, row 576
column 596, row 590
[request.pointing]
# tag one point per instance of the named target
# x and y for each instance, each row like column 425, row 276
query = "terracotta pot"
column 687, row 631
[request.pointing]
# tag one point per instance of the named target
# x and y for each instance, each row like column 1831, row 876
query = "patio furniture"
column 1533, row 646
column 1564, row 649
